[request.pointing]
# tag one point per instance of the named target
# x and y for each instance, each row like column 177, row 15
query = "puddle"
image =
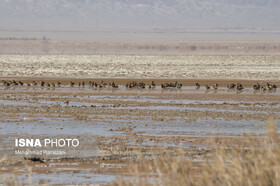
column 62, row 178
column 167, row 144
column 174, row 100
column 182, row 104
column 76, row 104
column 17, row 103
column 200, row 127
column 50, row 127
column 123, row 89
column 186, row 108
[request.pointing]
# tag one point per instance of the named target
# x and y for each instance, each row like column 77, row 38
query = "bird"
column 256, row 86
column 91, row 83
column 263, row 88
column 197, row 85
column 239, row 86
column 14, row 82
column 215, row 86
column 231, row 86
column 72, row 84
column 114, row 85
column 4, row 82
column 270, row 86
column 7, row 84
column 179, row 85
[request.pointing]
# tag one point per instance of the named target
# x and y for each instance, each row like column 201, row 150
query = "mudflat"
column 127, row 123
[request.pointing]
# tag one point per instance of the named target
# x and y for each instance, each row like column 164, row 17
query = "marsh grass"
column 255, row 160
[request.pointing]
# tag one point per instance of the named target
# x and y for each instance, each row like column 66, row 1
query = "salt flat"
column 246, row 67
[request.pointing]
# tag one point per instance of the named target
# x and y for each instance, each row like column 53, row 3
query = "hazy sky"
column 88, row 15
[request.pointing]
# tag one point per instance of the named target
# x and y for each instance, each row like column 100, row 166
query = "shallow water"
column 101, row 124
column 106, row 125
column 52, row 127
column 200, row 127
column 123, row 89
column 166, row 144
column 62, row 178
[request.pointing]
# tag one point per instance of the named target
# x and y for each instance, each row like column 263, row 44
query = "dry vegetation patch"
column 254, row 161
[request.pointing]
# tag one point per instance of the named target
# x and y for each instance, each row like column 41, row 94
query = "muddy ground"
column 126, row 124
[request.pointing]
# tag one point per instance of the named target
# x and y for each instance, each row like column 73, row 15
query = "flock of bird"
column 240, row 87
column 134, row 84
